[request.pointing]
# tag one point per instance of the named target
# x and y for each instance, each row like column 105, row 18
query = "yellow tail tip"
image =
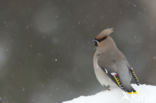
column 132, row 92
column 135, row 92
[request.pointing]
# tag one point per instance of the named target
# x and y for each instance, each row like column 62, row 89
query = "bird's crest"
column 104, row 33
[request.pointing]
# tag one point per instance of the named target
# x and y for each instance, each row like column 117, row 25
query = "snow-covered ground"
column 146, row 94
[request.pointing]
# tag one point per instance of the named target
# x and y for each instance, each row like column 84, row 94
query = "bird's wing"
column 134, row 75
column 115, row 78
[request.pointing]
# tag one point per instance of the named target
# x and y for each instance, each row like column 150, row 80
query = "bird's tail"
column 130, row 90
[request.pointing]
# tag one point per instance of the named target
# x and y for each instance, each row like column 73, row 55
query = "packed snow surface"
column 146, row 94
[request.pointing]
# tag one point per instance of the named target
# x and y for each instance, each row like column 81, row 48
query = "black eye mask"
column 95, row 41
column 102, row 39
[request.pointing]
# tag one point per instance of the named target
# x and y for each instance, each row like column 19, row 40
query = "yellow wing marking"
column 117, row 81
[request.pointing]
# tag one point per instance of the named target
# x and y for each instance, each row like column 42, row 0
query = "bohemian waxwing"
column 110, row 65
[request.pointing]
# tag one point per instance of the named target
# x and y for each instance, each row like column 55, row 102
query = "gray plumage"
column 108, row 56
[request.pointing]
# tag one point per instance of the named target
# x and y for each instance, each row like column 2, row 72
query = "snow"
column 146, row 94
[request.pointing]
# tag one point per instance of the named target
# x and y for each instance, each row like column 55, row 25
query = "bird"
column 111, row 67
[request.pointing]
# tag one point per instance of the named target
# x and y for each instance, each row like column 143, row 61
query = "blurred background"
column 46, row 47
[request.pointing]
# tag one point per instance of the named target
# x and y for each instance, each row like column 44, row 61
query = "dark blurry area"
column 46, row 46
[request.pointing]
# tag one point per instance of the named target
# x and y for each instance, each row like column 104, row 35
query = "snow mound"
column 146, row 94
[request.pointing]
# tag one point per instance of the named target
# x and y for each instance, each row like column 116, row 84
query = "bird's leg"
column 107, row 87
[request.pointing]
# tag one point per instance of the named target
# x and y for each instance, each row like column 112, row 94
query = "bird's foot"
column 107, row 88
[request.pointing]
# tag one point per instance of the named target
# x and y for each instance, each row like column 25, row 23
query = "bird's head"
column 102, row 36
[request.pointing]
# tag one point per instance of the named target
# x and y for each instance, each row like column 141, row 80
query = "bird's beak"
column 97, row 43
column 94, row 40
